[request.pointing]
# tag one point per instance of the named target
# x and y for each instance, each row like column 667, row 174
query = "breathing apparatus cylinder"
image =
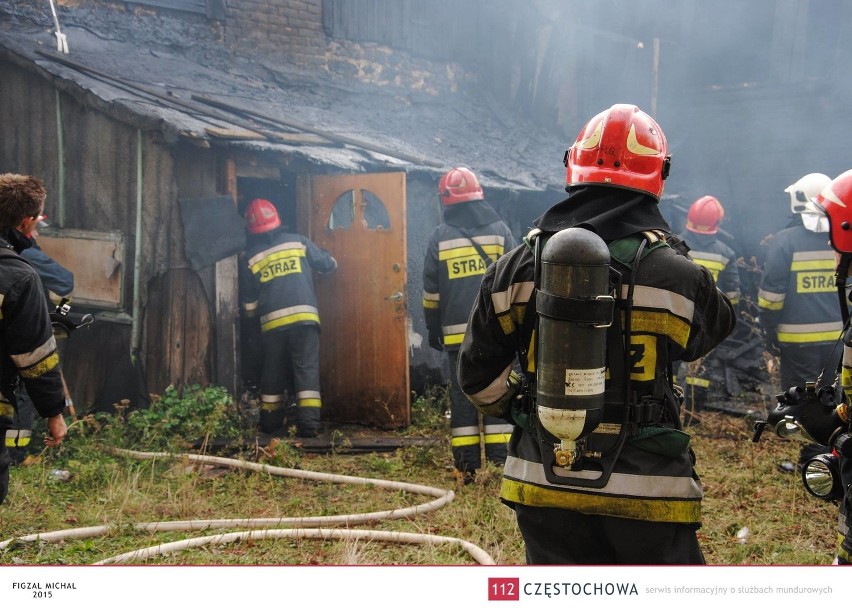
column 575, row 308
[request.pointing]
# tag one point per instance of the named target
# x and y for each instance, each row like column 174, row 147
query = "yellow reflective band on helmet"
column 634, row 146
column 593, row 140
column 670, row 510
column 45, row 366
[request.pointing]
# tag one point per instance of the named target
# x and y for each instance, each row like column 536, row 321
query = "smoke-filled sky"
column 752, row 95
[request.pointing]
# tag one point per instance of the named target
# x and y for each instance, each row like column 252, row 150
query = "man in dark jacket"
column 58, row 284
column 27, row 346
column 638, row 502
column 459, row 250
column 279, row 294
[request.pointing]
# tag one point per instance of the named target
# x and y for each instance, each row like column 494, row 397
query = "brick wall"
column 291, row 31
column 277, row 28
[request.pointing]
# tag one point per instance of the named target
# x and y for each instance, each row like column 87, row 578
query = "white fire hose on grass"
column 304, row 527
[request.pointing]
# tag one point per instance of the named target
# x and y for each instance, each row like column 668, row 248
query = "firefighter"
column 27, row 346
column 796, row 295
column 701, row 232
column 835, row 200
column 58, row 284
column 278, row 294
column 641, row 502
column 471, row 237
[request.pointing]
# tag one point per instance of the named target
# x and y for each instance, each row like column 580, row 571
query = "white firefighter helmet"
column 802, row 195
column 803, row 191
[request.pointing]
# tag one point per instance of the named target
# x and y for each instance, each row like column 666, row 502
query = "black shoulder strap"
column 488, row 261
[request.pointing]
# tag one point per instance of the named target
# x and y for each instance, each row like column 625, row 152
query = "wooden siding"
column 179, row 347
column 100, row 195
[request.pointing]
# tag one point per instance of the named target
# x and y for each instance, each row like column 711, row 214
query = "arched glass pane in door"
column 373, row 213
column 343, row 212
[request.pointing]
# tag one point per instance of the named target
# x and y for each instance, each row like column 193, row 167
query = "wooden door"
column 360, row 219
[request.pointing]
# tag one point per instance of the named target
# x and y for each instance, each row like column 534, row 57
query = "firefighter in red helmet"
column 701, row 233
column 471, row 237
column 702, row 228
column 611, row 481
column 835, row 201
column 278, row 293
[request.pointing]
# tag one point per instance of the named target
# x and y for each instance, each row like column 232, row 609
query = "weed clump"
column 183, row 418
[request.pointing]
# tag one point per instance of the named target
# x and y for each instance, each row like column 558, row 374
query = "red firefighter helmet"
column 622, row 147
column 261, row 216
column 459, row 185
column 835, row 200
column 705, row 215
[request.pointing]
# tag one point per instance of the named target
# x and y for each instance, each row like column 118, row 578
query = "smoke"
column 751, row 95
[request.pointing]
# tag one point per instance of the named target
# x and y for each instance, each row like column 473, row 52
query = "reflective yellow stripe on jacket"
column 646, row 497
column 289, row 316
column 809, row 333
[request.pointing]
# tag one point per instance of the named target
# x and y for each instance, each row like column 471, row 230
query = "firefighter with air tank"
column 595, row 306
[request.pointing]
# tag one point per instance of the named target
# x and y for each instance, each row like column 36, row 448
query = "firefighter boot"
column 271, row 420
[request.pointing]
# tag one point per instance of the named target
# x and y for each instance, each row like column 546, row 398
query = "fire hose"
column 303, row 527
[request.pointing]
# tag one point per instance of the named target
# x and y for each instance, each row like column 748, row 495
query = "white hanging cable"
column 61, row 39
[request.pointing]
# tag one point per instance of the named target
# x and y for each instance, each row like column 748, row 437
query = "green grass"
column 744, row 489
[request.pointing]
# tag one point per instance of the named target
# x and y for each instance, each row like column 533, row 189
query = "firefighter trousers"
column 291, row 366
column 562, row 536
column 465, row 430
